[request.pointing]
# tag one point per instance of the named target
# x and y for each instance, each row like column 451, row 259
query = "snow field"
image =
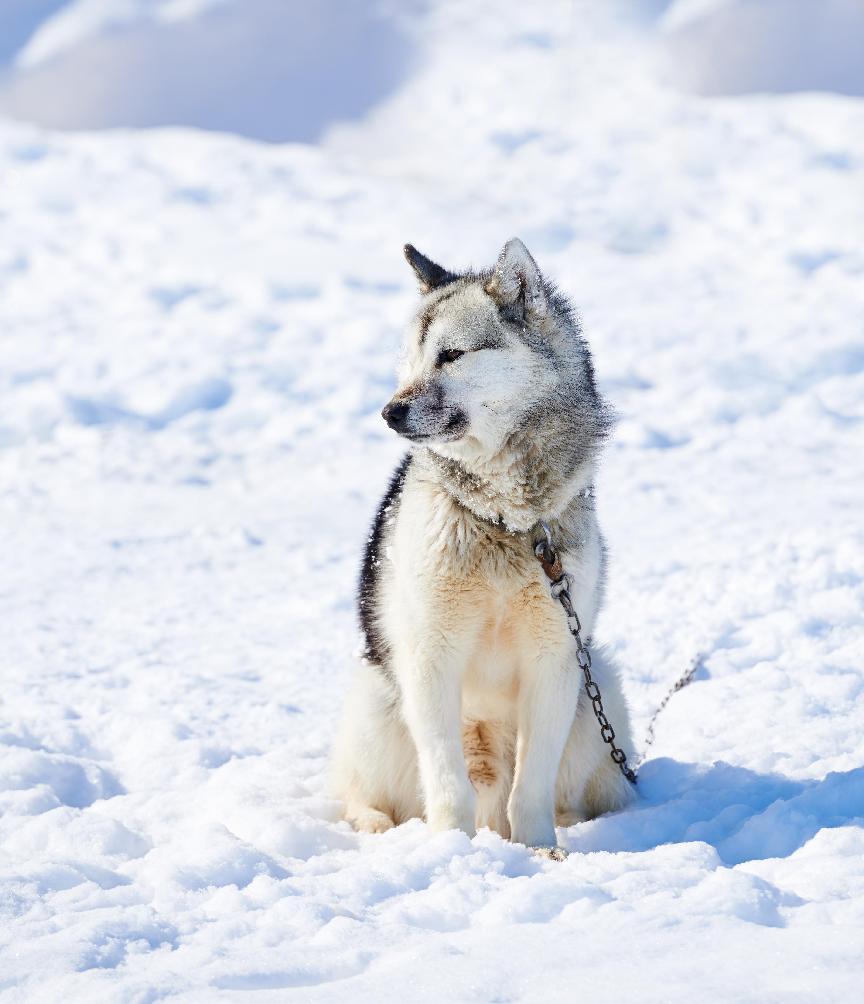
column 196, row 336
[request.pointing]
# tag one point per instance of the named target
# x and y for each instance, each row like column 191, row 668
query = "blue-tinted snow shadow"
column 19, row 19
column 61, row 778
column 769, row 46
column 208, row 394
column 273, row 70
column 744, row 815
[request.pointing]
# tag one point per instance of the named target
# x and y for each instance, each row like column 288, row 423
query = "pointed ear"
column 516, row 284
column 429, row 275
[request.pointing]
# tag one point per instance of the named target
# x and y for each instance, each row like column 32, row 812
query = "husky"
column 468, row 709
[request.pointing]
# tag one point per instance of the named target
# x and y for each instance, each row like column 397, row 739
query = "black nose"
column 395, row 414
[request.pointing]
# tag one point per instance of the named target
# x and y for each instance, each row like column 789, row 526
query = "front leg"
column 432, row 708
column 547, row 707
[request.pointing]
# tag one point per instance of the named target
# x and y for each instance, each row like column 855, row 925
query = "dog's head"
column 484, row 350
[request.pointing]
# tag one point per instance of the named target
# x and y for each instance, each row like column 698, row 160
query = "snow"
column 740, row 46
column 78, row 20
column 197, row 333
column 284, row 70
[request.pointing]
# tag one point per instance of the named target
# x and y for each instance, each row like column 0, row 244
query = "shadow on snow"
column 744, row 815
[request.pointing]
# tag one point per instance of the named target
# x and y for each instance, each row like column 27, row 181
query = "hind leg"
column 589, row 782
column 374, row 767
column 366, row 819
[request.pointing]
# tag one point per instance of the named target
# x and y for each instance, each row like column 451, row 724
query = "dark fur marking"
column 480, row 754
column 428, row 314
column 375, row 647
column 456, row 424
column 429, row 274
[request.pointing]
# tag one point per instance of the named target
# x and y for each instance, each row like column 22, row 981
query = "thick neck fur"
column 540, row 472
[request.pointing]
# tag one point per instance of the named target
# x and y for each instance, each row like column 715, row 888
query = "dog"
column 469, row 709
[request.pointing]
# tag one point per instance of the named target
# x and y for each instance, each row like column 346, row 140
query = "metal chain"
column 560, row 589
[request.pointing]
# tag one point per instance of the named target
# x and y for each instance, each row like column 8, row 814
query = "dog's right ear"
column 429, row 275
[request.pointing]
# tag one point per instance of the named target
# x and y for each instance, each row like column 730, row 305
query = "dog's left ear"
column 429, row 275
column 516, row 284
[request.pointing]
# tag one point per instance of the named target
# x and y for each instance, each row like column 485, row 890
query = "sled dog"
column 469, row 708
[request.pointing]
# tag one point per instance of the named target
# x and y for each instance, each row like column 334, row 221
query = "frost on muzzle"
column 423, row 415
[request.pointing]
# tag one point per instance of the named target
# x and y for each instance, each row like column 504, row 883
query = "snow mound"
column 266, row 69
column 79, row 20
column 715, row 47
column 197, row 334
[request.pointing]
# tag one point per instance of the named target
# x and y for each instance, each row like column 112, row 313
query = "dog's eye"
column 448, row 356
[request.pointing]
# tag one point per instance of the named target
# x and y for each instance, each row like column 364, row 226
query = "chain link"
column 560, row 589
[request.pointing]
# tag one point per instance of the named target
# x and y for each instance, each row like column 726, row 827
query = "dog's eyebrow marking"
column 428, row 314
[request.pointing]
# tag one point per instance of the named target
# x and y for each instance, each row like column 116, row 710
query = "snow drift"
column 197, row 333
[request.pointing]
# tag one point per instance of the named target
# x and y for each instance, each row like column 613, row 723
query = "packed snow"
column 197, row 334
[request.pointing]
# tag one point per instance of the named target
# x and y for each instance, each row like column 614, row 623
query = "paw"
column 550, row 853
column 446, row 817
column 441, row 822
column 532, row 828
column 371, row 821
